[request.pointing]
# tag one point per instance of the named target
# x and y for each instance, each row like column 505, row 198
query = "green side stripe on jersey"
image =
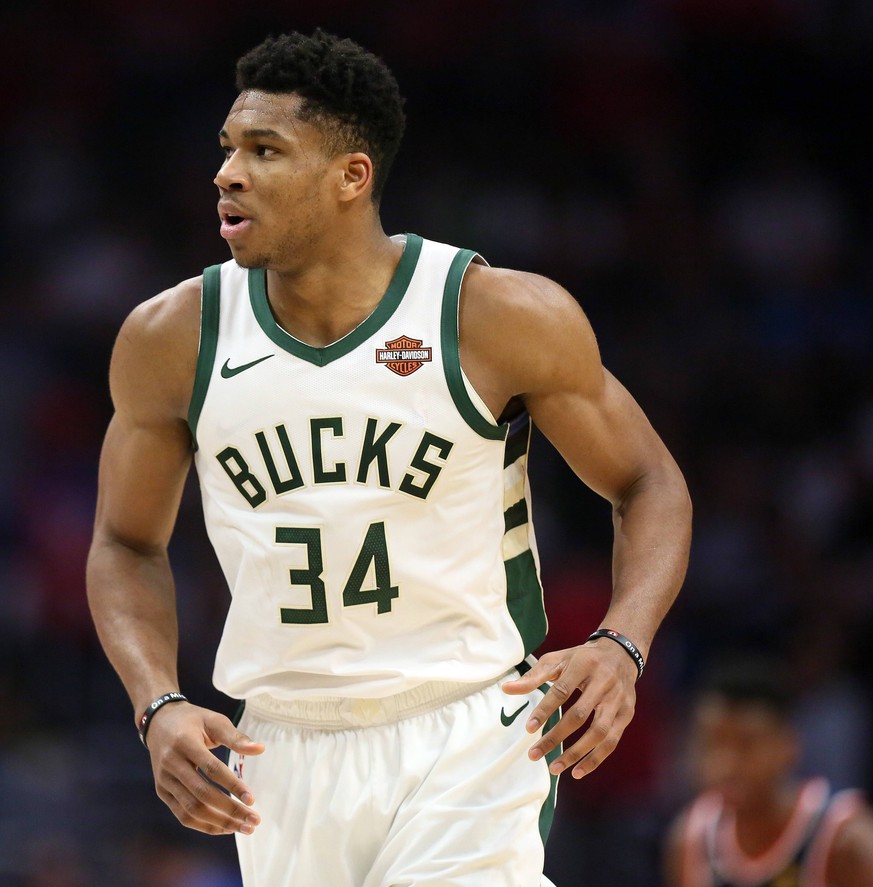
column 524, row 593
column 547, row 811
column 240, row 710
column 524, row 599
column 451, row 354
column 517, row 444
column 322, row 356
column 515, row 515
column 210, row 303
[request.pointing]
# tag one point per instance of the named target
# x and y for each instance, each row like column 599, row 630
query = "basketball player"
column 358, row 407
column 754, row 825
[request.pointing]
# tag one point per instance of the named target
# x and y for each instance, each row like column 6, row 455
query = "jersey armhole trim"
column 210, row 303
column 841, row 807
column 449, row 336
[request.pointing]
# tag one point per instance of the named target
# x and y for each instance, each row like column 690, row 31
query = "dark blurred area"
column 696, row 172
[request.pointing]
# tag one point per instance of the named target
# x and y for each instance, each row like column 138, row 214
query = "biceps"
column 605, row 438
column 142, row 475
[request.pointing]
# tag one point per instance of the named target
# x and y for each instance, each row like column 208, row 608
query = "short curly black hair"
column 346, row 90
column 749, row 679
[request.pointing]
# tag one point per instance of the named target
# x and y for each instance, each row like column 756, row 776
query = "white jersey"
column 371, row 517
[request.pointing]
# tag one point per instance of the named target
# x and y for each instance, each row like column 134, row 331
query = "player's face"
column 744, row 751
column 275, row 182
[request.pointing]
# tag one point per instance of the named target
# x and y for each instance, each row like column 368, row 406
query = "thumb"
column 544, row 670
column 246, row 746
column 223, row 732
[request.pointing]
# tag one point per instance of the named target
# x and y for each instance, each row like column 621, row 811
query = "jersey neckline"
column 321, row 356
column 737, row 865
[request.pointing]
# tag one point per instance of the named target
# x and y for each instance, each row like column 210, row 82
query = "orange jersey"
column 712, row 857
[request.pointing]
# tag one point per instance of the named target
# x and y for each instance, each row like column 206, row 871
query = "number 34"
column 374, row 551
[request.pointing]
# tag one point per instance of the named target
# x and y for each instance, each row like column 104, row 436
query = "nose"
column 232, row 175
column 722, row 767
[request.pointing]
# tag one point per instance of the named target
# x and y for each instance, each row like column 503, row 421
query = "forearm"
column 650, row 555
column 652, row 523
column 133, row 603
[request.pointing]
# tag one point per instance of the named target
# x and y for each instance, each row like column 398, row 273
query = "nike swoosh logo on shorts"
column 506, row 719
column 227, row 371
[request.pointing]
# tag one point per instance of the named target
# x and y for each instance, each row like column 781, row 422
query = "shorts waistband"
column 344, row 713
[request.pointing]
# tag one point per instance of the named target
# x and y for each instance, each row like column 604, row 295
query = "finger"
column 221, row 731
column 596, row 685
column 562, row 688
column 219, row 773
column 184, row 766
column 204, row 801
column 245, row 746
column 600, row 730
column 573, row 718
column 176, row 796
column 591, row 761
column 598, row 693
column 595, row 744
column 547, row 669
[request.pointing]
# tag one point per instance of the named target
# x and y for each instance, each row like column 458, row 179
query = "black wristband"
column 146, row 719
column 628, row 645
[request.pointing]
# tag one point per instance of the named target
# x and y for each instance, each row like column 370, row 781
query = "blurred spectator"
column 754, row 822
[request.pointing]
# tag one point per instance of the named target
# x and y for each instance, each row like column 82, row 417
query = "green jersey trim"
column 451, row 352
column 322, row 356
column 547, row 811
column 524, row 598
column 524, row 592
column 210, row 307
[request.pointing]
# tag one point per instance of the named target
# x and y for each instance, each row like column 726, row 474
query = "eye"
column 265, row 151
column 226, row 150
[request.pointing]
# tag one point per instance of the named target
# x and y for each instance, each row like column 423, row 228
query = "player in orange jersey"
column 755, row 824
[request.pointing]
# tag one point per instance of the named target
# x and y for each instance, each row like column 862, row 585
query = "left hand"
column 606, row 677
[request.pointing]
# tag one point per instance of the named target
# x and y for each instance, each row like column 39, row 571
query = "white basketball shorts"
column 430, row 788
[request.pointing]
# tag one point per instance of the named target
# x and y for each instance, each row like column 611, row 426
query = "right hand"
column 179, row 740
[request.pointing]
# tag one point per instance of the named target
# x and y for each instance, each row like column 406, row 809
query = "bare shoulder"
column 851, row 858
column 673, row 849
column 525, row 333
column 517, row 296
column 155, row 355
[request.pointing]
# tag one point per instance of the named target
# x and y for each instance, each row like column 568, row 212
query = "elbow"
column 664, row 481
column 682, row 494
column 110, row 554
column 107, row 542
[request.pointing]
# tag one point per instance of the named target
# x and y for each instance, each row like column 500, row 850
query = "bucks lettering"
column 278, row 468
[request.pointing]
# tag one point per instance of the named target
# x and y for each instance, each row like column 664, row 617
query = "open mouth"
column 233, row 225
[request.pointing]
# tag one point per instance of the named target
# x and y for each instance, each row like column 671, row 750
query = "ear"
column 356, row 175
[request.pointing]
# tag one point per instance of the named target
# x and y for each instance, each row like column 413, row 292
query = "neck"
column 759, row 824
column 336, row 288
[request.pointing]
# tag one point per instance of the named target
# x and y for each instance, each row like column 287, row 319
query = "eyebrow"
column 255, row 133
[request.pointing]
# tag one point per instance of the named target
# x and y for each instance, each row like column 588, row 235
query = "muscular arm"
column 144, row 462
column 524, row 338
column 130, row 587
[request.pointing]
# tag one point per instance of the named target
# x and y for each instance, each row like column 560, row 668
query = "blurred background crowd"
column 697, row 172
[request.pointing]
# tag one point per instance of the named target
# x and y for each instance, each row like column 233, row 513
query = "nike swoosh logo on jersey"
column 228, row 372
column 506, row 719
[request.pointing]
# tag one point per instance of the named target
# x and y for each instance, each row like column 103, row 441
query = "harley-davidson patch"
column 404, row 355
